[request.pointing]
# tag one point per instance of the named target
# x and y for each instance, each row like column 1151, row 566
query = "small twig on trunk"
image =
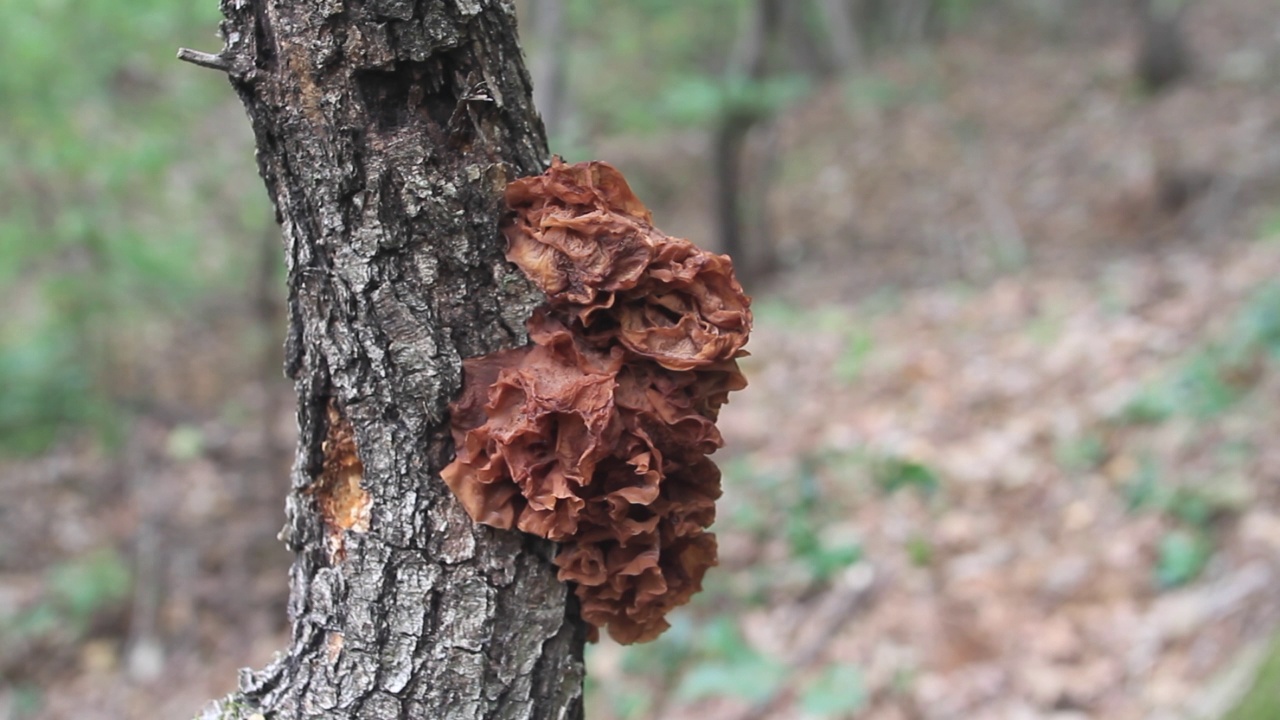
column 204, row 59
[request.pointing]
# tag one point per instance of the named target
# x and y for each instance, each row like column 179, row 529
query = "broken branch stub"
column 596, row 435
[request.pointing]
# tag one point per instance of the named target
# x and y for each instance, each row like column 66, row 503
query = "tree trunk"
column 1163, row 58
column 842, row 34
column 549, row 63
column 803, row 46
column 748, row 62
column 386, row 132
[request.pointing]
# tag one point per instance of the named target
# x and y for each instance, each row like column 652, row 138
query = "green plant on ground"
column 725, row 665
column 920, row 551
column 108, row 219
column 704, row 654
column 836, row 692
column 1193, row 510
column 1081, row 453
column 822, row 557
column 76, row 594
column 1262, row 702
column 892, row 473
column 1212, row 381
column 1214, row 378
column 76, row 591
column 1269, row 227
column 1144, row 489
column 1200, row 388
column 26, row 701
column 691, row 661
column 857, row 349
column 715, row 661
column 793, row 506
column 1182, row 555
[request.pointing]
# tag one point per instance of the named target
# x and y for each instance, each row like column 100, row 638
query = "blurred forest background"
column 1010, row 449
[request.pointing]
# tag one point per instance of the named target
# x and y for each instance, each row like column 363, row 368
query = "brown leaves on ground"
column 1027, row 580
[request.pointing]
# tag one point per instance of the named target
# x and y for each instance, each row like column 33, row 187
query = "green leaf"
column 1191, row 507
column 851, row 362
column 893, row 474
column 839, row 691
column 1144, row 490
column 1154, row 404
column 694, row 101
column 86, row 585
column 721, row 639
column 1182, row 556
column 920, row 550
column 1081, row 454
column 752, row 678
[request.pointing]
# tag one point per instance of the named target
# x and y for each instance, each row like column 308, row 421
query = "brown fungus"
column 596, row 435
column 582, row 236
column 687, row 312
column 578, row 232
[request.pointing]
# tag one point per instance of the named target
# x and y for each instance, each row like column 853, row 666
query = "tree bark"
column 386, row 132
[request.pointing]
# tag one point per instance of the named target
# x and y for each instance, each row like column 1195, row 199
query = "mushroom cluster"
column 596, row 434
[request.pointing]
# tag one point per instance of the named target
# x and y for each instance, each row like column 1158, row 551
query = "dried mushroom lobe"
column 585, row 239
column 548, row 423
column 688, row 311
column 596, row 435
column 631, row 589
column 578, row 231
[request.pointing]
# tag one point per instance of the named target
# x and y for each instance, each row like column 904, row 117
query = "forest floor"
column 1008, row 452
column 1045, row 498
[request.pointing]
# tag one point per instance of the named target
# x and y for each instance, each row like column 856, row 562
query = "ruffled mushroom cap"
column 578, row 231
column 548, row 419
column 585, row 239
column 630, row 589
column 478, row 477
column 688, row 501
column 688, row 312
column 666, row 407
column 597, row 434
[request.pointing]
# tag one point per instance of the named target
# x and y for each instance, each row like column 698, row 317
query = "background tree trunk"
column 805, row 48
column 1164, row 57
column 386, row 132
column 842, row 34
column 738, row 115
column 551, row 29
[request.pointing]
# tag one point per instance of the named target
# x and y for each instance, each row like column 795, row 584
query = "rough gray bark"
column 386, row 132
